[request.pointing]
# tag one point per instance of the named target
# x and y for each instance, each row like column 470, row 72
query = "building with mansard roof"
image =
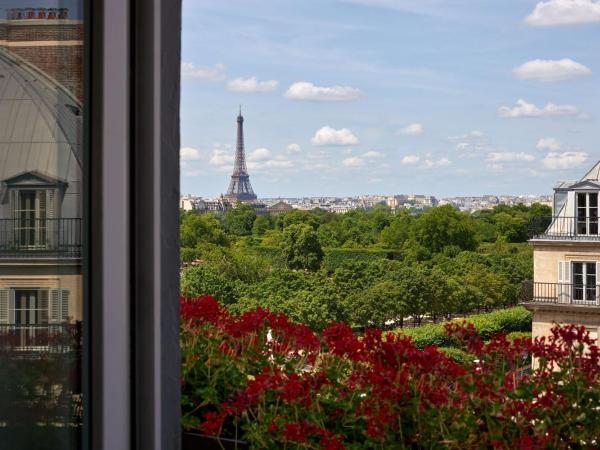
column 566, row 254
column 40, row 178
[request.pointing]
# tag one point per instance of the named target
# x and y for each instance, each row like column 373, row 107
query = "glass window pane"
column 41, row 123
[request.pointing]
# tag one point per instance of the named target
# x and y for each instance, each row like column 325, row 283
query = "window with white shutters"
column 4, row 295
column 564, row 282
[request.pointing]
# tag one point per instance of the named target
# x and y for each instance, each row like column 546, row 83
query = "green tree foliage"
column 301, row 247
column 368, row 267
column 239, row 221
column 205, row 280
column 439, row 227
column 376, row 306
column 196, row 229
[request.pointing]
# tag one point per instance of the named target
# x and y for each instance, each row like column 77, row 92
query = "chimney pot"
column 63, row 13
column 29, row 13
column 52, row 13
column 41, row 13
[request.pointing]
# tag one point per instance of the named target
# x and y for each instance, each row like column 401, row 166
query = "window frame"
column 131, row 263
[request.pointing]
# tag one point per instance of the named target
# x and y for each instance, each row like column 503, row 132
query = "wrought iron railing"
column 561, row 293
column 580, row 228
column 34, row 338
column 33, row 238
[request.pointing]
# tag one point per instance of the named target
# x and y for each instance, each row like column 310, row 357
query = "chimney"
column 51, row 13
column 41, row 13
column 17, row 14
column 63, row 13
column 29, row 13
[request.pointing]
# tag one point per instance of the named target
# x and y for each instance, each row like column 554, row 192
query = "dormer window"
column 31, row 218
column 30, row 211
column 587, row 213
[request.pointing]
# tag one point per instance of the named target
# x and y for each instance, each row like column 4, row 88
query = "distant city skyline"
column 346, row 97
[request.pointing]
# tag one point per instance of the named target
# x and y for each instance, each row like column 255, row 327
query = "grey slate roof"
column 40, row 123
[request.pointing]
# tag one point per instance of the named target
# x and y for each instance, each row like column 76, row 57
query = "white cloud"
column 551, row 70
column 495, row 167
column 330, row 136
column 524, row 109
column 189, row 154
column 191, row 71
column 221, row 157
column 471, row 144
column 252, row 85
column 373, row 154
column 410, row 159
column 564, row 12
column 548, row 144
column 293, row 148
column 278, row 164
column 566, row 160
column 584, row 116
column 471, row 135
column 304, row 90
column 414, row 129
column 509, row 157
column 260, row 154
column 432, row 164
column 353, row 161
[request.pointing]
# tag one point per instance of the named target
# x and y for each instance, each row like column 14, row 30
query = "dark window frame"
column 131, row 309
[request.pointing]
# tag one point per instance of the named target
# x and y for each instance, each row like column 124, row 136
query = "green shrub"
column 458, row 355
column 518, row 335
column 430, row 334
column 187, row 254
column 336, row 257
column 513, row 321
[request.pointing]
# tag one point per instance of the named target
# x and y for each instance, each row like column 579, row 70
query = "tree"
column 438, row 227
column 301, row 247
column 262, row 224
column 398, row 231
column 240, row 220
column 196, row 229
column 205, row 280
column 376, row 306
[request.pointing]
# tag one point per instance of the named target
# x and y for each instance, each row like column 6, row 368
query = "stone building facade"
column 566, row 284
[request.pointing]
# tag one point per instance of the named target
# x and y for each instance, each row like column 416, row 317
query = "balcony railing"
column 559, row 228
column 40, row 238
column 34, row 338
column 561, row 293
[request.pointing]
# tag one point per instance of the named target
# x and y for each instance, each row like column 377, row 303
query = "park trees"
column 301, row 247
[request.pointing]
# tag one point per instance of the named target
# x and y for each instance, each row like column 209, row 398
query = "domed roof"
column 40, row 124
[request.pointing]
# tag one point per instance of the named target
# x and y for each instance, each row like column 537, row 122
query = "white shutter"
column 597, row 282
column 563, row 290
column 51, row 203
column 64, row 305
column 14, row 202
column 44, row 305
column 54, row 306
column 11, row 306
column 4, row 306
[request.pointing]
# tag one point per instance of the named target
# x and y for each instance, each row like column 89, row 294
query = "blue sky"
column 347, row 97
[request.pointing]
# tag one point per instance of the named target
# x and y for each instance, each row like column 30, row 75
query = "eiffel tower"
column 240, row 188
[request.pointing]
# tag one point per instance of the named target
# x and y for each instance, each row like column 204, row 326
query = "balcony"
column 582, row 228
column 59, row 338
column 561, row 293
column 40, row 238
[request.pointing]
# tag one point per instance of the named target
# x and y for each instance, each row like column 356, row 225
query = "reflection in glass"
column 41, row 90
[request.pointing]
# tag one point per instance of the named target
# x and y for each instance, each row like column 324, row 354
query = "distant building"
column 566, row 259
column 279, row 208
